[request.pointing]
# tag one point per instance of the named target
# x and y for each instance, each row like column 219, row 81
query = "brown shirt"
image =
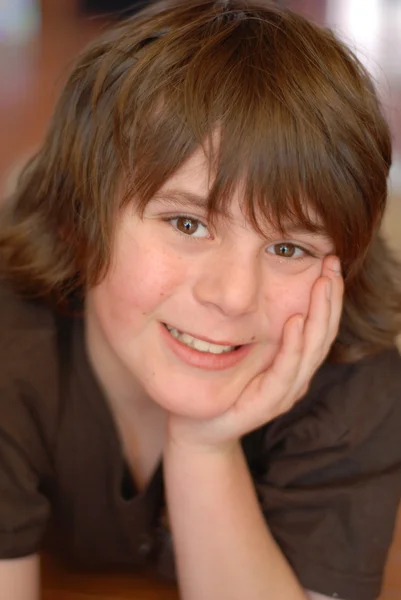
column 328, row 474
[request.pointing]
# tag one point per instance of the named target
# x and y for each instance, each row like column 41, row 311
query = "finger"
column 317, row 323
column 278, row 381
column 323, row 319
column 332, row 269
column 315, row 345
column 270, row 391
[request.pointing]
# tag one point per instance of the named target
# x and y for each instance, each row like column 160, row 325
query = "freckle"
column 253, row 337
column 161, row 293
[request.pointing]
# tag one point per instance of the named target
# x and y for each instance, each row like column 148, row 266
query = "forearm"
column 20, row 578
column 223, row 547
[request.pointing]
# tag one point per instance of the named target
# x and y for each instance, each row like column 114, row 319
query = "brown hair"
column 298, row 119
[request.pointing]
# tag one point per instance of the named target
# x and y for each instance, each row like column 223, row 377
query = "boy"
column 172, row 283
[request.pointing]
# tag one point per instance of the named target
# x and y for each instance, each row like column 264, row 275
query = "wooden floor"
column 30, row 77
column 61, row 582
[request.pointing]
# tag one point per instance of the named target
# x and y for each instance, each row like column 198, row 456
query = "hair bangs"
column 253, row 101
column 285, row 113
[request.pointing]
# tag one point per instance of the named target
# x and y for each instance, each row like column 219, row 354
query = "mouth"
column 200, row 344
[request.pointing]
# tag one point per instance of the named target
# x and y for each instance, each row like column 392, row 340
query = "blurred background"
column 40, row 38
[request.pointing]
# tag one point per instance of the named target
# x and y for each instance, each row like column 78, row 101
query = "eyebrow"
column 182, row 198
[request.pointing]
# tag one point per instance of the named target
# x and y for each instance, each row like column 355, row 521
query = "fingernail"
column 328, row 289
column 336, row 265
column 301, row 324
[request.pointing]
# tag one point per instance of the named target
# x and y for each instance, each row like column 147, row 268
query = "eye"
column 189, row 226
column 287, row 250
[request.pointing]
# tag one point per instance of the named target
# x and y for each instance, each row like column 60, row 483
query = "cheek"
column 288, row 296
column 140, row 279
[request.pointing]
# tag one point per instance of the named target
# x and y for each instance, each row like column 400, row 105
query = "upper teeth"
column 199, row 345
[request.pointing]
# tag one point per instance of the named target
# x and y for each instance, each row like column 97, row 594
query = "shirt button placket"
column 145, row 545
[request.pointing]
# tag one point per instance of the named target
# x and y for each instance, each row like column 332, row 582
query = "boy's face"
column 227, row 285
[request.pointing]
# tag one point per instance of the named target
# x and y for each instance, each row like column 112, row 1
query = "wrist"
column 186, row 446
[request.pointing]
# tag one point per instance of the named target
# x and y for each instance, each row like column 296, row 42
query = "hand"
column 304, row 346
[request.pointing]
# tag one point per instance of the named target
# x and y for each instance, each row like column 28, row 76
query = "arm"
column 20, row 578
column 227, row 552
column 223, row 547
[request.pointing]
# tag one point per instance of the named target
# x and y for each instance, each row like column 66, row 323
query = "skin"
column 228, row 283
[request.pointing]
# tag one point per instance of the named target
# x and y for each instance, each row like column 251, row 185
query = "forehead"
column 191, row 185
column 195, row 174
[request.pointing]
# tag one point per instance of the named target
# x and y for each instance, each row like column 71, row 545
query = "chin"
column 201, row 404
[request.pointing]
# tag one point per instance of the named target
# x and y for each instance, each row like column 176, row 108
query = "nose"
column 230, row 283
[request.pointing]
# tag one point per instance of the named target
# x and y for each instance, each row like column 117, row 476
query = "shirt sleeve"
column 331, row 482
column 24, row 510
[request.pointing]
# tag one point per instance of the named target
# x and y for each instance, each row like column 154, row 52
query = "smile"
column 198, row 344
column 206, row 354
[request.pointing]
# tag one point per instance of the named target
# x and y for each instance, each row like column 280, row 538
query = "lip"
column 204, row 360
column 204, row 339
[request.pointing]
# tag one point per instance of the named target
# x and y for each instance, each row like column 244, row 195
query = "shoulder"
column 329, row 476
column 351, row 414
column 28, row 418
column 28, row 369
column 365, row 394
column 24, row 324
column 357, row 397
